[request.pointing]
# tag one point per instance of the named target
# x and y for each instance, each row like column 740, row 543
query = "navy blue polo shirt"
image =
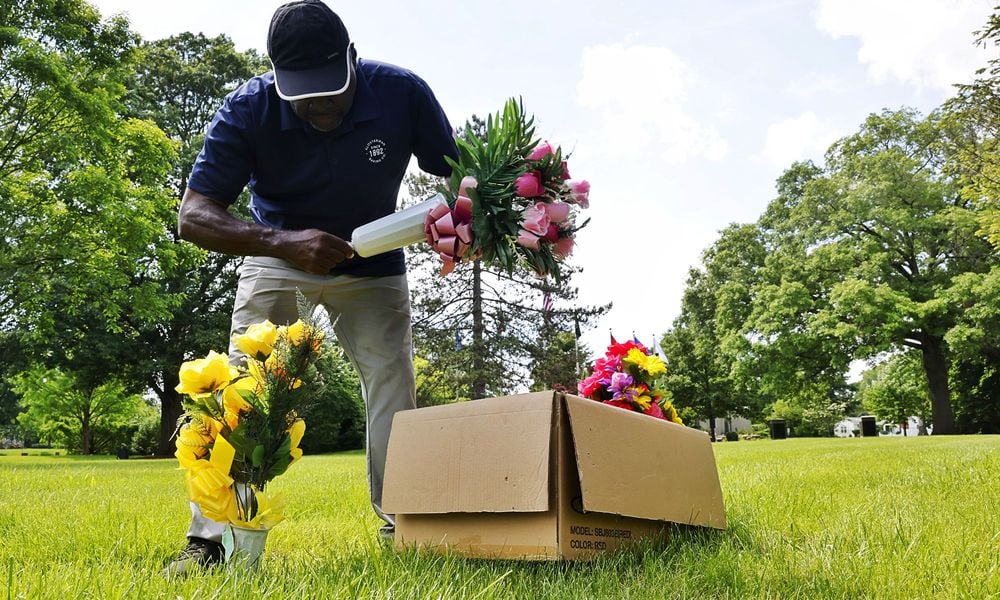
column 302, row 178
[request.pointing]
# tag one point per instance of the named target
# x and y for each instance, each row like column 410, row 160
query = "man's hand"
column 208, row 224
column 314, row 251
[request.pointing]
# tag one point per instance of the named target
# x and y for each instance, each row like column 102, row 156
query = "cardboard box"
column 544, row 476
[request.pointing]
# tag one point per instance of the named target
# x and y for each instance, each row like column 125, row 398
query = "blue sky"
column 680, row 113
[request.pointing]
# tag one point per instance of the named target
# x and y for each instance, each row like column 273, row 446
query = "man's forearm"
column 208, row 224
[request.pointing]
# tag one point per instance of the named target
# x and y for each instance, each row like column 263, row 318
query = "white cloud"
column 927, row 43
column 799, row 138
column 641, row 94
column 816, row 84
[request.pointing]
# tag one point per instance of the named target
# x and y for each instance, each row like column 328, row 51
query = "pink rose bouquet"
column 625, row 377
column 511, row 200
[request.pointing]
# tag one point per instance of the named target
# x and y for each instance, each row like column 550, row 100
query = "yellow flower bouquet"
column 242, row 423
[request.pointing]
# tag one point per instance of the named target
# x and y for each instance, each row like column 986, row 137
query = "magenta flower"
column 607, row 364
column 541, row 151
column 591, row 385
column 529, row 185
column 552, row 234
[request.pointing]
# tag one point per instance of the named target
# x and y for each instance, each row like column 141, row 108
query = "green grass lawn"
column 830, row 518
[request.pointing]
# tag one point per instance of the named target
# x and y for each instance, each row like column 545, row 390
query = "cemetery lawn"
column 809, row 518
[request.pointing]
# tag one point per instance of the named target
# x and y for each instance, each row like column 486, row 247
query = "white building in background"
column 725, row 425
column 847, row 427
column 910, row 428
column 851, row 427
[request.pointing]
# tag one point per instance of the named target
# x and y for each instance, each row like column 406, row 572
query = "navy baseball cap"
column 310, row 51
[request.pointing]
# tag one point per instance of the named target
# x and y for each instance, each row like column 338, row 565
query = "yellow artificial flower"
column 671, row 413
column 193, row 442
column 270, row 511
column 295, row 432
column 233, row 401
column 298, row 332
column 205, row 375
column 643, row 402
column 209, row 482
column 258, row 340
column 274, row 365
column 652, row 365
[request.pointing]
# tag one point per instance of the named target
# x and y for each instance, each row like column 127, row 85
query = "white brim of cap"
column 292, row 90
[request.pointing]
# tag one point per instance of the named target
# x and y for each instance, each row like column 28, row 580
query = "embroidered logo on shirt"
column 375, row 150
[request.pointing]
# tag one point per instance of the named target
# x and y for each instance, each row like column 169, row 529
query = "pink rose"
column 579, row 190
column 563, row 247
column 529, row 185
column 552, row 234
column 528, row 239
column 654, row 410
column 557, row 211
column 591, row 385
column 467, row 182
column 541, row 151
column 535, row 219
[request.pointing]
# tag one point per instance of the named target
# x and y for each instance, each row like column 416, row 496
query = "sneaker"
column 199, row 554
column 387, row 533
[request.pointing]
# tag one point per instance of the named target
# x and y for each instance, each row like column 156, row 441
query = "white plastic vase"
column 243, row 546
column 394, row 231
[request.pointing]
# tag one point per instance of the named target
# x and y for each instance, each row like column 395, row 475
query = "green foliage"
column 896, row 389
column 336, row 419
column 699, row 346
column 556, row 359
column 63, row 413
column 862, row 255
column 975, row 143
column 146, row 436
column 178, row 83
column 80, row 186
column 974, row 343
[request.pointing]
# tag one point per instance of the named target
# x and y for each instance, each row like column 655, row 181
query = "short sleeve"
column 225, row 164
column 432, row 133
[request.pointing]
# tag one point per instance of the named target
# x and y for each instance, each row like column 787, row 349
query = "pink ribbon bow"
column 449, row 230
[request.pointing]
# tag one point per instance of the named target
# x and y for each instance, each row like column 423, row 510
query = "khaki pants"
column 372, row 317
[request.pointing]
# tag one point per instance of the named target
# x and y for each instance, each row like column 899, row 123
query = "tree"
column 698, row 374
column 179, row 83
column 896, row 389
column 974, row 343
column 975, row 109
column 62, row 412
column 865, row 250
column 80, row 190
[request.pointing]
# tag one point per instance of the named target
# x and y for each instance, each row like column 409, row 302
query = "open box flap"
column 487, row 455
column 637, row 466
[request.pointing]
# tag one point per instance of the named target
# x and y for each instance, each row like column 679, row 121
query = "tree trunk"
column 478, row 347
column 936, row 368
column 85, row 446
column 170, row 411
